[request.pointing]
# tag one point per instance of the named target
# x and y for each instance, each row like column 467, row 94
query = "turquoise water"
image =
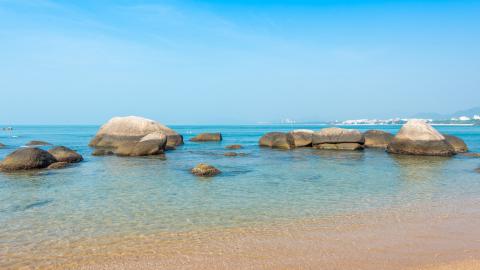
column 116, row 196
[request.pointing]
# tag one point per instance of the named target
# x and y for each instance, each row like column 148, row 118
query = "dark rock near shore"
column 417, row 137
column 120, row 130
column 377, row 138
column 205, row 170
column 458, row 144
column 302, row 137
column 207, row 137
column 58, row 165
column 37, row 143
column 27, row 159
column 277, row 140
column 230, row 154
column 234, row 146
column 65, row 154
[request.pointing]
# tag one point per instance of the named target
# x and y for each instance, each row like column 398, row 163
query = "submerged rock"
column 102, row 152
column 477, row 170
column 58, row 165
column 230, row 154
column 302, row 137
column 37, row 143
column 458, row 144
column 417, row 137
column 65, row 154
column 277, row 140
column 234, row 146
column 207, row 137
column 377, row 138
column 470, row 154
column 121, row 130
column 339, row 146
column 205, row 170
column 2, row 145
column 27, row 159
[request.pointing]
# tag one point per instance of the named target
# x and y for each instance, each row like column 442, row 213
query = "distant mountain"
column 437, row 116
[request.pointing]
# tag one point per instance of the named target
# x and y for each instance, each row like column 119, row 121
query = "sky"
column 235, row 62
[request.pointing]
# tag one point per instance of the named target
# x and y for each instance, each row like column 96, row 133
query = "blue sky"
column 197, row 62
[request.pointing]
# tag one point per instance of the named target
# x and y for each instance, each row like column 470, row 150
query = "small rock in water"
column 65, row 154
column 102, row 152
column 234, row 146
column 37, row 143
column 478, row 170
column 470, row 154
column 2, row 145
column 207, row 137
column 58, row 165
column 205, row 170
column 230, row 154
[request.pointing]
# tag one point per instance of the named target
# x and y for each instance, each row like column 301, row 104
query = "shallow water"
column 108, row 196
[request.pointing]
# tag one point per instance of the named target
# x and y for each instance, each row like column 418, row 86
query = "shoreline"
column 421, row 237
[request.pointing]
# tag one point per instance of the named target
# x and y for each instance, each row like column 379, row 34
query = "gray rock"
column 58, row 165
column 377, row 138
column 205, row 170
column 302, row 137
column 27, row 159
column 207, row 137
column 102, row 152
column 65, row 154
column 337, row 135
column 417, row 137
column 277, row 140
column 458, row 144
column 151, row 144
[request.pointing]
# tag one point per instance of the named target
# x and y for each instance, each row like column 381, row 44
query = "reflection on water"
column 106, row 196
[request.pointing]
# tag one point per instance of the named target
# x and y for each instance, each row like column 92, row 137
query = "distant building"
column 464, row 118
column 476, row 117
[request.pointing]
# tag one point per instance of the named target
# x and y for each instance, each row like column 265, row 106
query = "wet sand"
column 434, row 237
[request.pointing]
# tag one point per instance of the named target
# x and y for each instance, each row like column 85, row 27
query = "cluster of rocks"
column 134, row 136
column 416, row 137
column 30, row 158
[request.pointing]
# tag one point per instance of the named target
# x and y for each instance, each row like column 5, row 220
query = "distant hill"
column 437, row 116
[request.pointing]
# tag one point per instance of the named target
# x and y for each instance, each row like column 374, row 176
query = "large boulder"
column 337, row 135
column 417, row 137
column 207, row 137
column 377, row 138
column 27, row 159
column 277, row 140
column 338, row 139
column 205, row 170
column 151, row 144
column 65, row 154
column 120, row 130
column 302, row 137
column 458, row 144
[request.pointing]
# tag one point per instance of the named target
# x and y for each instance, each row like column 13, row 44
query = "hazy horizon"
column 218, row 62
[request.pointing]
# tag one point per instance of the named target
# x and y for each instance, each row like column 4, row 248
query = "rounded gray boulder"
column 27, row 159
column 417, row 137
column 279, row 140
column 65, row 154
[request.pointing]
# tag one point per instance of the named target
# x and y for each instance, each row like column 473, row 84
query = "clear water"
column 106, row 196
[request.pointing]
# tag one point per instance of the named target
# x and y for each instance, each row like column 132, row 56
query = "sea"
column 114, row 196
